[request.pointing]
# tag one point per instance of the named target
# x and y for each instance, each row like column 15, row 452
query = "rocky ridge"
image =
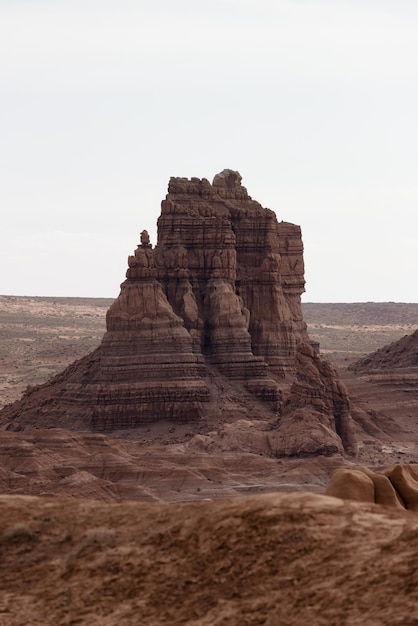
column 211, row 313
column 271, row 559
column 395, row 486
column 393, row 373
column 396, row 355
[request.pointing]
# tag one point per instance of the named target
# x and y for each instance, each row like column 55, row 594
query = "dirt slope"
column 398, row 354
column 274, row 559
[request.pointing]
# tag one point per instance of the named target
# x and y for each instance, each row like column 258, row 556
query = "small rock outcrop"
column 395, row 486
column 316, row 416
column 214, row 306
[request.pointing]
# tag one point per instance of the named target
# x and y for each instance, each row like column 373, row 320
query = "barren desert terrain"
column 197, row 547
column 41, row 336
column 346, row 332
column 272, row 560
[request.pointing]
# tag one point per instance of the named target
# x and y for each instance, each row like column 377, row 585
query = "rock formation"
column 233, row 273
column 316, row 416
column 396, row 486
column 148, row 365
column 218, row 299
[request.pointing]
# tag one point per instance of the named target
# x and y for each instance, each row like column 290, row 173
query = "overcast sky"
column 315, row 103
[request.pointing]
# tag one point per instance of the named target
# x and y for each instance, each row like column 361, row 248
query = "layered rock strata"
column 317, row 414
column 214, row 309
column 210, row 292
column 148, row 367
column 233, row 272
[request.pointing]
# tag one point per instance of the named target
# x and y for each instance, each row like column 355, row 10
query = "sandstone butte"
column 213, row 310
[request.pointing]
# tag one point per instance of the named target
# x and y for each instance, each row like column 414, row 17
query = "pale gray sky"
column 314, row 102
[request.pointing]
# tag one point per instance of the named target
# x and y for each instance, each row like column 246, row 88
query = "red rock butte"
column 222, row 288
column 219, row 297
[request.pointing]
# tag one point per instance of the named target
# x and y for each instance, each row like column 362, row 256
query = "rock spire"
column 217, row 299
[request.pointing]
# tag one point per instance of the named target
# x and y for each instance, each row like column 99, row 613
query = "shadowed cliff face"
column 214, row 309
column 242, row 269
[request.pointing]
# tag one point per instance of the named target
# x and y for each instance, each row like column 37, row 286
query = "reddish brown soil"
column 268, row 559
column 273, row 559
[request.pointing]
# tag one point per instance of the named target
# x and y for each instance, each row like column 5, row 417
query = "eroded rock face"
column 210, row 314
column 148, row 367
column 210, row 293
column 316, row 416
column 233, row 272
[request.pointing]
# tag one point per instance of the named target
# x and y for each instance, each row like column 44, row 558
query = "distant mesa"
column 213, row 309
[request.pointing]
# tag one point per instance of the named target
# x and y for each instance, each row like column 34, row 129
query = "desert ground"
column 197, row 547
column 346, row 332
column 40, row 336
column 272, row 560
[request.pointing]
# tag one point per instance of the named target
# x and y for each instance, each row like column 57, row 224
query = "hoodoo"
column 211, row 293
column 217, row 298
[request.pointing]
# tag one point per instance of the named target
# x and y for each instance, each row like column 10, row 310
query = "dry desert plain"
column 200, row 551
